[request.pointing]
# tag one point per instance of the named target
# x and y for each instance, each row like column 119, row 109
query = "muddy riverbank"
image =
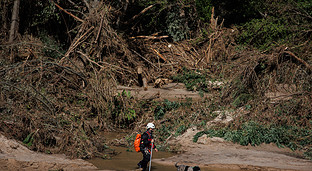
column 210, row 154
column 216, row 153
column 15, row 156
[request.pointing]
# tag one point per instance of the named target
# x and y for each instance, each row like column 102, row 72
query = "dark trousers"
column 146, row 158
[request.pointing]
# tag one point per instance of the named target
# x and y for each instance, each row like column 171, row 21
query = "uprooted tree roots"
column 276, row 87
column 57, row 105
column 46, row 106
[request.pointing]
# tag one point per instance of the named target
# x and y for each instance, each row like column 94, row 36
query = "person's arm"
column 154, row 147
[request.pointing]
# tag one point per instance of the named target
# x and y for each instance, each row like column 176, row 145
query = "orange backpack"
column 137, row 142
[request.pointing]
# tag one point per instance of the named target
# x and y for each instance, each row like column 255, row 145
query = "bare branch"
column 75, row 17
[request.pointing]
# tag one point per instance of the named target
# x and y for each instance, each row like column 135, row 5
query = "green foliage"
column 36, row 16
column 51, row 48
column 308, row 154
column 123, row 111
column 203, row 8
column 250, row 133
column 255, row 134
column 163, row 132
column 199, row 134
column 306, row 5
column 242, row 99
column 193, row 80
column 239, row 94
column 159, row 112
column 232, row 11
column 263, row 33
column 29, row 139
column 181, row 129
column 210, row 133
column 282, row 22
column 130, row 114
column 167, row 105
column 49, row 12
column 171, row 105
column 174, row 18
column 177, row 27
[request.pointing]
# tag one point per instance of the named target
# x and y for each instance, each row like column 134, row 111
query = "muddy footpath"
column 211, row 154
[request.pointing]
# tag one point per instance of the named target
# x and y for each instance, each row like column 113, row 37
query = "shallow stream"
column 127, row 160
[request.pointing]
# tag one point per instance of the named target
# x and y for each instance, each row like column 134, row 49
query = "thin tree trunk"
column 4, row 17
column 15, row 21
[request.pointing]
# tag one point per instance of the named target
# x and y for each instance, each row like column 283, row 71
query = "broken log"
column 150, row 37
column 145, row 84
column 140, row 78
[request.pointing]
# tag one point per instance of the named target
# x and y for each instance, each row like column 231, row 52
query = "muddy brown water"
column 127, row 159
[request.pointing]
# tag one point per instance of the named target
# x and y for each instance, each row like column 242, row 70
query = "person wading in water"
column 146, row 145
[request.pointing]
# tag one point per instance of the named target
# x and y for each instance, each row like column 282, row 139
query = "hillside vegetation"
column 62, row 61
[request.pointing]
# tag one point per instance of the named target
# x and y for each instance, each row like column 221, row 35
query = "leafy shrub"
column 242, row 99
column 52, row 48
column 29, row 139
column 177, row 26
column 167, row 105
column 306, row 5
column 123, row 111
column 192, row 80
column 241, row 92
column 163, row 132
column 308, row 154
column 181, row 129
column 203, row 8
column 263, row 33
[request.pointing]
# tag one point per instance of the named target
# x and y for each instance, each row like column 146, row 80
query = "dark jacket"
column 146, row 139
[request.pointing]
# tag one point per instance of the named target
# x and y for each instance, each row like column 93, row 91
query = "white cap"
column 150, row 125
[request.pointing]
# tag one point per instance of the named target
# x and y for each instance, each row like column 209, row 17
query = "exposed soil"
column 14, row 156
column 171, row 91
column 216, row 153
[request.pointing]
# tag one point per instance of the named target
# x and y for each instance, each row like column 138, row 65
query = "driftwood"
column 142, row 12
column 145, row 59
column 209, row 53
column 160, row 55
column 140, row 77
column 150, row 37
column 76, row 43
column 75, row 17
column 142, row 80
column 145, row 84
column 309, row 67
column 101, row 25
column 97, row 64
